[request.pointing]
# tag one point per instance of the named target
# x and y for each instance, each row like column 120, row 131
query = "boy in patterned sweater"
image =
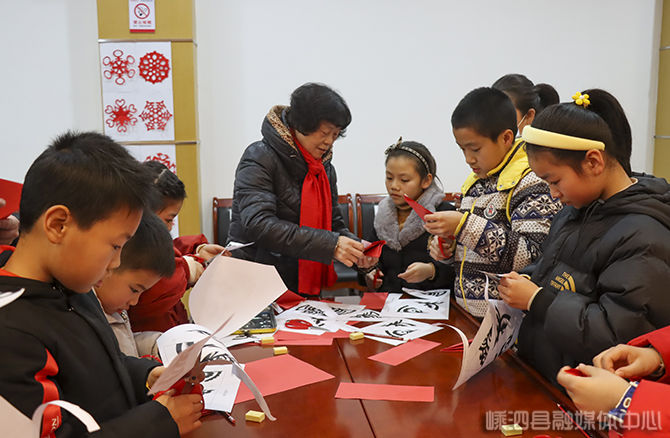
column 506, row 210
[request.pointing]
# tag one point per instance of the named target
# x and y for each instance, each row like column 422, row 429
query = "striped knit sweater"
column 506, row 217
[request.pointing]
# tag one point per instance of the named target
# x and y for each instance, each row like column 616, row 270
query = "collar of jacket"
column 277, row 119
column 512, row 168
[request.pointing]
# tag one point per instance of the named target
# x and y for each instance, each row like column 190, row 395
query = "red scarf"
column 316, row 211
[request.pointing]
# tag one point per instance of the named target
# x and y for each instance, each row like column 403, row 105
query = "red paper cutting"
column 374, row 249
column 119, row 67
column 164, row 159
column 155, row 115
column 418, row 208
column 402, row 353
column 120, row 115
column 10, row 191
column 154, row 67
column 370, row 391
column 278, row 374
column 289, row 299
column 374, row 300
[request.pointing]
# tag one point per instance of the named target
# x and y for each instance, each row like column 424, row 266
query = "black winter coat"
column 87, row 369
column 266, row 204
column 605, row 272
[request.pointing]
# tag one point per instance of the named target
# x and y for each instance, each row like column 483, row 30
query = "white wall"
column 403, row 66
column 49, row 75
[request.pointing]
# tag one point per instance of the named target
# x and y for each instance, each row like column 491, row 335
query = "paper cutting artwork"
column 155, row 115
column 120, row 115
column 119, row 67
column 154, row 67
column 163, row 159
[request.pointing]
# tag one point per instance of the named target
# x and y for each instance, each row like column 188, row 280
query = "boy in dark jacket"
column 82, row 200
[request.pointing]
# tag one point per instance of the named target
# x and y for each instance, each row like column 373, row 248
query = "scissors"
column 301, row 324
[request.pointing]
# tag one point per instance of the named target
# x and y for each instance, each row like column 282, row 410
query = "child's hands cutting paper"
column 627, row 361
column 418, row 272
column 441, row 249
column 598, row 390
column 517, row 291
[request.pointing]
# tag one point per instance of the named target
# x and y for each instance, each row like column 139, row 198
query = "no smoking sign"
column 142, row 15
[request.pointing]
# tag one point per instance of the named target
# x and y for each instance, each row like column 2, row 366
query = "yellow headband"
column 555, row 140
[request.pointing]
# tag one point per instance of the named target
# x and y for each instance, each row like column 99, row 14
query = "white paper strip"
column 8, row 297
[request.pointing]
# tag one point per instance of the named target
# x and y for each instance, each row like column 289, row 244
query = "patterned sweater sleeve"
column 514, row 243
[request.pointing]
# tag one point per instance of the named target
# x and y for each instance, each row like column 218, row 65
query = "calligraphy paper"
column 220, row 387
column 406, row 329
column 374, row 300
column 10, row 191
column 497, row 333
column 366, row 315
column 235, row 289
column 370, row 391
column 429, row 295
column 316, row 309
column 342, row 309
column 416, row 308
column 280, row 373
column 405, row 352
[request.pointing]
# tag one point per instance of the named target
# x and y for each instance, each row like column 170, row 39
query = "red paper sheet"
column 289, row 299
column 374, row 300
column 10, row 191
column 313, row 340
column 369, row 391
column 402, row 353
column 340, row 334
column 278, row 374
column 418, row 208
column 374, row 249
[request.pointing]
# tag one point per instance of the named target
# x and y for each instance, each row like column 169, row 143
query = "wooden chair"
column 221, row 211
column 366, row 207
column 347, row 278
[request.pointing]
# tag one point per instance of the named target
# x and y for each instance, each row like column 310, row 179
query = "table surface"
column 507, row 387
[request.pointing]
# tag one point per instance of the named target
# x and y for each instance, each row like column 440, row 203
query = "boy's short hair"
column 313, row 103
column 88, row 173
column 168, row 185
column 150, row 248
column 487, row 111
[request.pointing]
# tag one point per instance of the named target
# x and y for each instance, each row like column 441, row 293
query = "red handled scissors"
column 301, row 324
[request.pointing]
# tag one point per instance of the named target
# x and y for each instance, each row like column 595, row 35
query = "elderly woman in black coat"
column 285, row 195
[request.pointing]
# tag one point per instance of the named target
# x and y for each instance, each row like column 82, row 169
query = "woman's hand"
column 373, row 279
column 627, row 361
column 348, row 251
column 418, row 272
column 516, row 290
column 599, row 391
column 210, row 250
column 443, row 223
column 441, row 249
column 184, row 409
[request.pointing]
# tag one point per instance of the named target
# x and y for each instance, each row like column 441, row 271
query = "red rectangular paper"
column 281, row 335
column 374, row 249
column 374, row 300
column 402, row 353
column 369, row 391
column 340, row 334
column 278, row 374
column 314, row 341
column 418, row 208
column 10, row 191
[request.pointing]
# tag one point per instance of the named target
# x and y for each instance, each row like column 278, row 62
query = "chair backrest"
column 346, row 204
column 221, row 210
column 366, row 207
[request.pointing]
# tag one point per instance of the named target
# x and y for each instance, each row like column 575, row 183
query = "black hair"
column 168, row 185
column 397, row 150
column 314, row 103
column 525, row 95
column 603, row 120
column 88, row 173
column 487, row 111
column 150, row 248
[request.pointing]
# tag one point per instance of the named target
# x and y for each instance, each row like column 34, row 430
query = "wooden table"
column 312, row 411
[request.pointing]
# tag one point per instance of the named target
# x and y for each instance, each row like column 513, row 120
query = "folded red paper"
column 10, row 191
column 370, row 391
column 418, row 208
column 374, row 249
column 402, row 353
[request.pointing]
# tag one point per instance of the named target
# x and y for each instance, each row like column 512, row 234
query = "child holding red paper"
column 404, row 261
column 506, row 210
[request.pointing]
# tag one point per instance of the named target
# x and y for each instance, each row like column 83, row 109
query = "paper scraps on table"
column 369, row 391
column 406, row 329
column 497, row 333
column 397, row 355
column 233, row 289
column 374, row 300
column 280, row 373
column 10, row 191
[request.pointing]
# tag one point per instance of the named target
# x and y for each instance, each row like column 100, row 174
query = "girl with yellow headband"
column 602, row 278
